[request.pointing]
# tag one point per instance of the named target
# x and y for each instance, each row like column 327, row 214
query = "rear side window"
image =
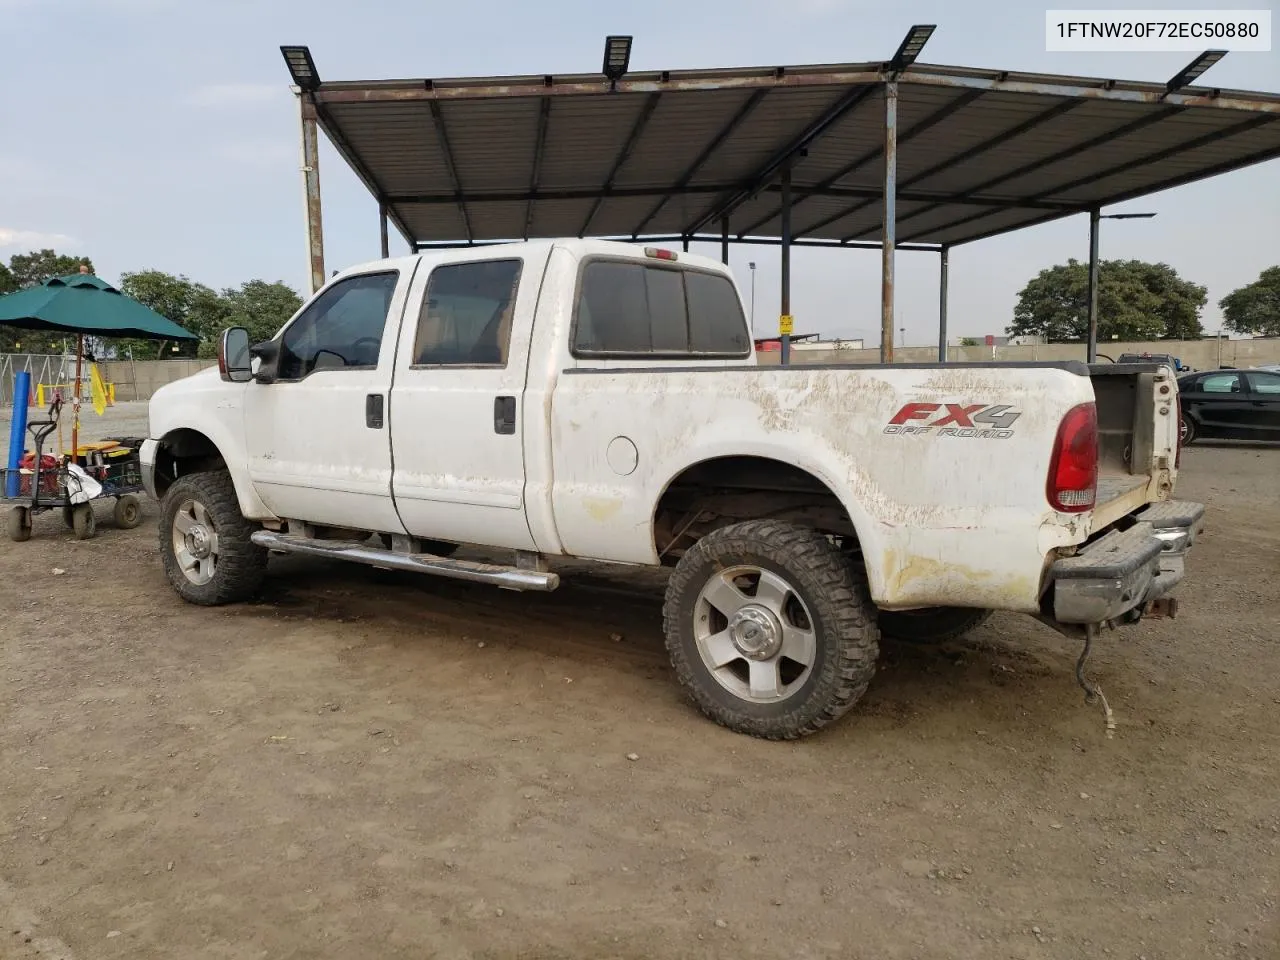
column 466, row 314
column 1265, row 383
column 1221, row 383
column 632, row 309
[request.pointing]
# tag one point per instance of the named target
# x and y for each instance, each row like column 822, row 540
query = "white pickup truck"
column 602, row 401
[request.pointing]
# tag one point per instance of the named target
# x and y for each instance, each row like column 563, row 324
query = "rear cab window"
column 631, row 310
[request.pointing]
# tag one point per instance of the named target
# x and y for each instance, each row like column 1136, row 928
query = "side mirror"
column 264, row 358
column 233, row 355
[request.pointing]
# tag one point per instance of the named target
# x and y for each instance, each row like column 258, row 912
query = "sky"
column 162, row 134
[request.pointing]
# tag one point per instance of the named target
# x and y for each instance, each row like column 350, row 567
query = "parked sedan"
column 1231, row 404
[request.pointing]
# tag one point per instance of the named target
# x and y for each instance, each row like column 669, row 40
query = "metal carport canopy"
column 676, row 153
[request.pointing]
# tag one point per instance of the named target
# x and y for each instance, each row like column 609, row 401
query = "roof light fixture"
column 301, row 67
column 617, row 57
column 912, row 44
column 1192, row 71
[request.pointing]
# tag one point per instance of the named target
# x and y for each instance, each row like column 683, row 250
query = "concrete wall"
column 138, row 380
column 1199, row 354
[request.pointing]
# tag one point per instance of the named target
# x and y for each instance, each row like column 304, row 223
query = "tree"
column 260, row 307
column 1255, row 308
column 968, row 341
column 1136, row 301
column 29, row 270
column 192, row 306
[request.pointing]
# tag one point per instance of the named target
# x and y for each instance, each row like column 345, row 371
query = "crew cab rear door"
column 457, row 406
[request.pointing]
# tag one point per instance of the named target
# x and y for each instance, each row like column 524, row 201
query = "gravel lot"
column 363, row 765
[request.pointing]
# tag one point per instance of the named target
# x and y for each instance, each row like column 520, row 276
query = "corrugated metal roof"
column 980, row 152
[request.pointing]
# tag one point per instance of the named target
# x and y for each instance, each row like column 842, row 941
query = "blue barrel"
column 17, row 433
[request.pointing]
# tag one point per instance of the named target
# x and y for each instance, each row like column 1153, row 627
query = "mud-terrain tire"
column 204, row 541
column 770, row 629
column 932, row 625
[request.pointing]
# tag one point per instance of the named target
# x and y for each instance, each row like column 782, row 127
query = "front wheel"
column 1187, row 431
column 771, row 629
column 204, row 541
column 931, row 624
column 19, row 524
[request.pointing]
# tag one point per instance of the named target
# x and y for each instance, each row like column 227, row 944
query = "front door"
column 1223, row 402
column 457, row 411
column 318, row 439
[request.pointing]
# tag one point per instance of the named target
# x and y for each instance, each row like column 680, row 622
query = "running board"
column 510, row 578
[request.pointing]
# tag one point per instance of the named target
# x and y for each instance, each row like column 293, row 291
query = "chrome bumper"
column 147, row 457
column 1116, row 576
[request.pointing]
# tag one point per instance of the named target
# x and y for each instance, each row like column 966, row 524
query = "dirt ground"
column 362, row 765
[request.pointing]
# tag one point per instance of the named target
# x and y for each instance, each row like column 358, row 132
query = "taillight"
column 1073, row 471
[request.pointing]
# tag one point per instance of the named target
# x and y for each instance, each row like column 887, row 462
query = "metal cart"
column 43, row 487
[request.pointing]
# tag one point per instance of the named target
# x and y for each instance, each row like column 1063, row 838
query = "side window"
column 342, row 329
column 716, row 323
column 466, row 315
column 1268, row 383
column 1220, row 383
column 630, row 309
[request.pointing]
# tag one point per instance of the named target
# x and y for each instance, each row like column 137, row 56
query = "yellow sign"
column 784, row 325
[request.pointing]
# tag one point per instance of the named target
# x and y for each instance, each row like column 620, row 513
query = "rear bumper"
column 1116, row 576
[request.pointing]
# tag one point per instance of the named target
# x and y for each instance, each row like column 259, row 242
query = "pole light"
column 617, row 58
column 1095, row 273
column 301, row 67
column 752, row 266
column 1192, row 71
column 912, row 44
column 1127, row 216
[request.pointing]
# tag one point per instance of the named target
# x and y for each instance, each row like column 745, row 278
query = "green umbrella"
column 85, row 304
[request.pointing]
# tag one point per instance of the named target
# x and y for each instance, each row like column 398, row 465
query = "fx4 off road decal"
column 974, row 420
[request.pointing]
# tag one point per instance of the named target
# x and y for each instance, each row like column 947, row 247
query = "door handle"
column 373, row 411
column 504, row 415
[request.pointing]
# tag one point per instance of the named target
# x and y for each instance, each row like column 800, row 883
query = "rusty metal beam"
column 385, row 245
column 852, row 75
column 311, row 191
column 1133, row 126
column 451, row 167
column 637, row 130
column 844, row 193
column 539, row 145
column 834, row 113
column 785, row 312
column 682, row 182
column 889, row 236
column 707, row 238
column 959, row 103
column 1143, row 161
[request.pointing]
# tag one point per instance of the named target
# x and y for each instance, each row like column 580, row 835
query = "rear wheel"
column 128, row 512
column 205, row 542
column 771, row 629
column 1187, row 430
column 83, row 522
column 932, row 624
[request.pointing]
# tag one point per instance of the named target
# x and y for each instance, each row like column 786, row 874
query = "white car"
column 602, row 401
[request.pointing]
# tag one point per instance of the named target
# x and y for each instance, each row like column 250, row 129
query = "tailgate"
column 1137, row 437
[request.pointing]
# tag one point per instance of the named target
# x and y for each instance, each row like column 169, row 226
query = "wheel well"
column 182, row 452
column 716, row 493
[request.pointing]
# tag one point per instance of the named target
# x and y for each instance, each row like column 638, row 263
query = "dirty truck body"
column 602, row 401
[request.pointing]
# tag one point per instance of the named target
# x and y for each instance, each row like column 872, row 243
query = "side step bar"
column 510, row 578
